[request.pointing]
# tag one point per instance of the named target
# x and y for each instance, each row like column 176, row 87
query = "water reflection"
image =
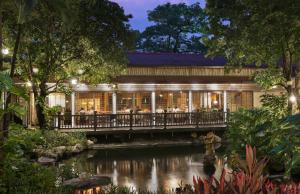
column 149, row 169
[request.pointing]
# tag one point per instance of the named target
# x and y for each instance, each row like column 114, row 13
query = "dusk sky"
column 139, row 8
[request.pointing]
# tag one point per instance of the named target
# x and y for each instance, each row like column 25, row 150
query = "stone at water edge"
column 46, row 160
column 89, row 143
column 88, row 182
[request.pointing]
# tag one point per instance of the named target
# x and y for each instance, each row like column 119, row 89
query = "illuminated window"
column 171, row 100
column 136, row 101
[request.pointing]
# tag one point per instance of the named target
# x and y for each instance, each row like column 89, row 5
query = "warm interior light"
column 292, row 98
column 5, row 51
column 215, row 102
column 73, row 81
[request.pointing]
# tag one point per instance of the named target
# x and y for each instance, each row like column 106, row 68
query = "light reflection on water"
column 146, row 169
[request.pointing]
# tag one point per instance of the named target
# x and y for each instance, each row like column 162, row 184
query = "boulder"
column 60, row 150
column 88, row 182
column 46, row 161
column 89, row 143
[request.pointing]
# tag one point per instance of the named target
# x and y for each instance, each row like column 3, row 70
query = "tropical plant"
column 7, row 85
column 247, row 178
column 274, row 137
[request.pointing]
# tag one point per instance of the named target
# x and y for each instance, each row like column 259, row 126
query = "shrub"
column 54, row 138
column 248, row 178
column 276, row 138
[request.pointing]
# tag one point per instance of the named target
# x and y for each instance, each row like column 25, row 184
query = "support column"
column 114, row 103
column 209, row 100
column 153, row 102
column 190, row 105
column 73, row 108
column 225, row 105
column 153, row 107
column 190, row 101
column 225, row 101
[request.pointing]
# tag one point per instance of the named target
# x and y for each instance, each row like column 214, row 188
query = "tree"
column 257, row 32
column 174, row 30
column 15, row 14
column 90, row 47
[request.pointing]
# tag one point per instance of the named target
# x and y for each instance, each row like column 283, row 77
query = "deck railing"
column 137, row 120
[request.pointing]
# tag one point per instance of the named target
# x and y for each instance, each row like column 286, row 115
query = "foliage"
column 18, row 169
column 248, row 178
column 175, row 29
column 275, row 105
column 275, row 137
column 7, row 85
column 21, row 176
column 270, row 78
column 55, row 48
column 55, row 139
column 257, row 33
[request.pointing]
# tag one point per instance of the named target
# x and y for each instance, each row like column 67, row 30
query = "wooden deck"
column 105, row 124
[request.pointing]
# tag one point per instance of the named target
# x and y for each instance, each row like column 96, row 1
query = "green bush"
column 22, row 141
column 54, row 138
column 277, row 138
column 21, row 175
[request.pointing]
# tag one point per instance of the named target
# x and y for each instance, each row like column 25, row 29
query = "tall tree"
column 17, row 13
column 260, row 32
column 91, row 47
column 176, row 29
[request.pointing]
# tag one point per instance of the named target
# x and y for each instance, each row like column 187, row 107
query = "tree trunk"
column 40, row 105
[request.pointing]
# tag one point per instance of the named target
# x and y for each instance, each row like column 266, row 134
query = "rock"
column 60, row 150
column 46, row 161
column 77, row 149
column 88, row 182
column 89, row 143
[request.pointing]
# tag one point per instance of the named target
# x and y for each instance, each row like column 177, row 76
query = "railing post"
column 58, row 120
column 165, row 119
column 130, row 119
column 95, row 120
column 197, row 118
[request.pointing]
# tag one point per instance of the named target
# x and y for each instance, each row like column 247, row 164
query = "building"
column 155, row 82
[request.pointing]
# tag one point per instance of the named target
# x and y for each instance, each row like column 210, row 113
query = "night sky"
column 138, row 9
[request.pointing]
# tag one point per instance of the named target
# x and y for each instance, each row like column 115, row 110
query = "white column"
column 209, row 100
column 205, row 100
column 225, row 105
column 190, row 101
column 225, row 101
column 114, row 103
column 73, row 108
column 153, row 102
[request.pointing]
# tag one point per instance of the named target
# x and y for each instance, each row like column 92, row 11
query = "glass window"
column 238, row 100
column 57, row 99
column 136, row 101
column 98, row 101
column 207, row 100
column 172, row 100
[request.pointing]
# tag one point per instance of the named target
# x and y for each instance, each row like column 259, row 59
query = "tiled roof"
column 137, row 59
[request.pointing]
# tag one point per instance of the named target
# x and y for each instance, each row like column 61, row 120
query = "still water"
column 146, row 169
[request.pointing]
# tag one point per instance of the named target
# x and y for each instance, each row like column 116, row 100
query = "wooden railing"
column 137, row 120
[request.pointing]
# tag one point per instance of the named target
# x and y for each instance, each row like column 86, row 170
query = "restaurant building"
column 154, row 82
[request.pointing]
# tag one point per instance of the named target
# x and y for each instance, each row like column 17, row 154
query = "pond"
column 146, row 169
